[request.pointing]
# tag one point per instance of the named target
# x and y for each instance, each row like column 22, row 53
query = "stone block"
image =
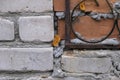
column 6, row 30
column 26, row 59
column 86, row 65
column 36, row 28
column 26, row 5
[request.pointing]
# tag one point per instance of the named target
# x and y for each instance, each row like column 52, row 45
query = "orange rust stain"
column 56, row 41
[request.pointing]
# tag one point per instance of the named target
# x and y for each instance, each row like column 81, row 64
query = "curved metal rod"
column 97, row 41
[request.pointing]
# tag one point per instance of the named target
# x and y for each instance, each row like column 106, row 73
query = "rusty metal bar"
column 92, row 46
column 67, row 21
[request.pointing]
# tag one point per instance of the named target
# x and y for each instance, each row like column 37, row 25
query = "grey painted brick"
column 36, row 28
column 6, row 30
column 26, row 59
column 26, row 5
column 86, row 65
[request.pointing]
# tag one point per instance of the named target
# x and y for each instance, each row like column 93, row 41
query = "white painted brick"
column 36, row 28
column 26, row 59
column 26, row 5
column 86, row 65
column 6, row 30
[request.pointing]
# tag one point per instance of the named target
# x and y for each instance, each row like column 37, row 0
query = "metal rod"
column 96, row 1
column 92, row 46
column 67, row 21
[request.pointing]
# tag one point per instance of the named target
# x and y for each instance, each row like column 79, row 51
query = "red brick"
column 89, row 28
column 59, row 5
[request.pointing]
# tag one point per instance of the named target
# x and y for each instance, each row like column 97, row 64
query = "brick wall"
column 26, row 53
column 26, row 33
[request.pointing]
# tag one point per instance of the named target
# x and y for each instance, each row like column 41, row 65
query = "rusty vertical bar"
column 67, row 21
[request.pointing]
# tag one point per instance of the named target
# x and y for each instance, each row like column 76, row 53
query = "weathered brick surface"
column 73, row 78
column 79, row 78
column 25, row 77
column 59, row 5
column 36, row 28
column 26, row 59
column 25, row 5
column 92, row 65
column 6, row 30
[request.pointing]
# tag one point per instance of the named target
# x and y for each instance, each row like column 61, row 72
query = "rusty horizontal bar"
column 92, row 46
